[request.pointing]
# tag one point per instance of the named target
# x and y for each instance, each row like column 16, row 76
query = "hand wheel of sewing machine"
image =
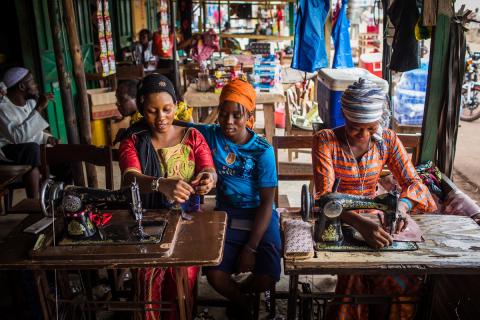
column 50, row 193
column 306, row 206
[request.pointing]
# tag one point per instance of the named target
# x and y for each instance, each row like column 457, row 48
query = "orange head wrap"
column 242, row 92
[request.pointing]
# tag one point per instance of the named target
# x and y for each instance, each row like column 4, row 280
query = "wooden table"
column 8, row 173
column 198, row 100
column 199, row 242
column 451, row 246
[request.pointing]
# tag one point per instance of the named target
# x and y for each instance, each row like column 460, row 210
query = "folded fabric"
column 458, row 203
column 298, row 239
column 411, row 233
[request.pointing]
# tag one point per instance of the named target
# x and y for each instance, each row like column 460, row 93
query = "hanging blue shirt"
column 242, row 169
column 309, row 52
column 341, row 39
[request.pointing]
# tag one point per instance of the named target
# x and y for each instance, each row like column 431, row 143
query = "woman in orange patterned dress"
column 356, row 153
column 171, row 165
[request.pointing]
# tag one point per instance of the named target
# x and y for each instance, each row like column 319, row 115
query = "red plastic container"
column 279, row 118
column 372, row 62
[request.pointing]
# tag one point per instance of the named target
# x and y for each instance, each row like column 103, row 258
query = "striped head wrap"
column 365, row 102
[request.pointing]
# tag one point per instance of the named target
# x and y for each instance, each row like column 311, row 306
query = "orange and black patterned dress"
column 330, row 161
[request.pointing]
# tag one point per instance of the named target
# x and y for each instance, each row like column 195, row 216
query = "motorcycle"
column 471, row 88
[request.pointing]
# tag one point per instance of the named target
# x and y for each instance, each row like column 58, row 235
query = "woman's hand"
column 176, row 189
column 246, row 260
column 373, row 233
column 402, row 222
column 203, row 182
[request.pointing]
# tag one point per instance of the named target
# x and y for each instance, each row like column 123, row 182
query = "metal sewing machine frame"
column 328, row 208
column 74, row 202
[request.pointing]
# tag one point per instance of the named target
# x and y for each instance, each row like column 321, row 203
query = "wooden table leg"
column 269, row 115
column 292, row 298
column 181, row 277
column 212, row 116
column 41, row 283
column 426, row 306
column 195, row 116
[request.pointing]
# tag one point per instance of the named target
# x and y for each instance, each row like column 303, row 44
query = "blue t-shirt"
column 242, row 169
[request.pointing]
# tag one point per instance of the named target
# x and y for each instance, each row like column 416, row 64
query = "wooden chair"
column 290, row 129
column 62, row 153
column 412, row 142
column 189, row 74
column 72, row 153
column 291, row 171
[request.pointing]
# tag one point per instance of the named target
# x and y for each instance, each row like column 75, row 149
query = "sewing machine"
column 77, row 204
column 327, row 210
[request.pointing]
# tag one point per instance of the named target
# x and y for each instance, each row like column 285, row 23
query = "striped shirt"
column 331, row 161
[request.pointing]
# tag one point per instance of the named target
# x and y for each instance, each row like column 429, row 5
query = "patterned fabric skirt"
column 406, row 288
column 158, row 284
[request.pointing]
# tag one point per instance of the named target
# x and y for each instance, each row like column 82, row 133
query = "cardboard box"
column 102, row 103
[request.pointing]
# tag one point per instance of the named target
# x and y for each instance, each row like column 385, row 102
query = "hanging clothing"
column 183, row 160
column 341, row 40
column 452, row 93
column 205, row 46
column 309, row 53
column 404, row 15
column 331, row 161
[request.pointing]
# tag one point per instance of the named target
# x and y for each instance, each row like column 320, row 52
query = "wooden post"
column 328, row 37
column 173, row 16
column 386, row 54
column 79, row 72
column 65, row 87
column 437, row 75
column 205, row 15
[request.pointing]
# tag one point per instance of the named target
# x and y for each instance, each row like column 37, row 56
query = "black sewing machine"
column 328, row 208
column 78, row 204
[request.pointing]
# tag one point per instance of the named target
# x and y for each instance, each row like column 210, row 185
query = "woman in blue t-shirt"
column 247, row 179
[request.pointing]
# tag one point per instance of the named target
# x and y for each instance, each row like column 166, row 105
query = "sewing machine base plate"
column 346, row 246
column 123, row 233
column 350, row 243
column 164, row 223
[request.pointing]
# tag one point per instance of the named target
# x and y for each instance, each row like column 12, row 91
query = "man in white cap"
column 22, row 126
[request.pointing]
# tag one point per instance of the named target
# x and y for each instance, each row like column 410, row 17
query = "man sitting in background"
column 22, row 126
column 126, row 95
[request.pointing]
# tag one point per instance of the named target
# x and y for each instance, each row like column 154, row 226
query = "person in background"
column 126, row 95
column 227, row 27
column 22, row 126
column 143, row 51
column 247, row 179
